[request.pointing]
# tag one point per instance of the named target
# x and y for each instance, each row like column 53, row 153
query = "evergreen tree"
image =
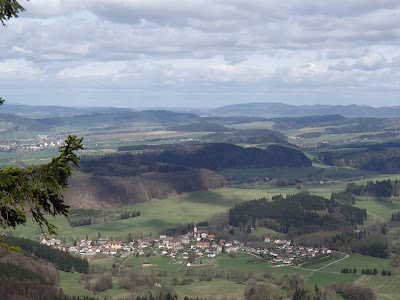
column 9, row 9
column 35, row 189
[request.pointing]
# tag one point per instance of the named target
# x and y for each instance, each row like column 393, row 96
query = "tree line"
column 84, row 219
column 95, row 191
column 384, row 188
column 381, row 157
column 297, row 214
column 62, row 260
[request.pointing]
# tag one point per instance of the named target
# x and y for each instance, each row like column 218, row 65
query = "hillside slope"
column 103, row 191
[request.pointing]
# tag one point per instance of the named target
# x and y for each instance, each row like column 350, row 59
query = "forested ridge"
column 377, row 158
column 62, row 260
column 200, row 127
column 25, row 266
column 300, row 213
column 315, row 221
column 287, row 123
column 218, row 156
column 102, row 191
column 249, row 136
column 384, row 188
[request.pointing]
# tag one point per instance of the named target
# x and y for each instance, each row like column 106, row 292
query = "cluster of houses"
column 284, row 253
column 30, row 144
column 89, row 247
column 201, row 242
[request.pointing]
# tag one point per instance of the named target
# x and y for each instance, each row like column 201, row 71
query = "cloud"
column 21, row 50
column 18, row 69
column 225, row 49
column 371, row 62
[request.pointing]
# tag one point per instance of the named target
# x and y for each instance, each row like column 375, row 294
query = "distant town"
column 30, row 144
column 200, row 242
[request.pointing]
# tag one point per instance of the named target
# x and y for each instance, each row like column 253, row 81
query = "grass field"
column 360, row 262
column 323, row 278
column 69, row 283
column 253, row 125
column 381, row 209
column 157, row 215
column 216, row 288
column 385, row 288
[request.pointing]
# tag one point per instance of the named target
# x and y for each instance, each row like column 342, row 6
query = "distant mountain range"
column 256, row 109
column 274, row 109
column 56, row 111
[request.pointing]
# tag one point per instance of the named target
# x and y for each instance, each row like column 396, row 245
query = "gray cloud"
column 230, row 50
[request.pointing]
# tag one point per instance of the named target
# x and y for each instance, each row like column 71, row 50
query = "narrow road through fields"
column 316, row 270
column 334, row 262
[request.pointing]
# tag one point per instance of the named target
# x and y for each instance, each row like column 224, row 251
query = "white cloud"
column 232, row 49
column 102, row 69
column 21, row 50
column 371, row 62
column 18, row 69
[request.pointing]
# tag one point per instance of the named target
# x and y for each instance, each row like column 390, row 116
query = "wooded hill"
column 97, row 192
column 275, row 109
column 306, row 121
column 21, row 123
column 33, row 274
column 248, row 136
column 127, row 178
column 337, row 124
column 298, row 214
column 380, row 189
column 200, row 127
column 218, row 156
column 118, row 118
column 62, row 260
column 374, row 157
column 213, row 156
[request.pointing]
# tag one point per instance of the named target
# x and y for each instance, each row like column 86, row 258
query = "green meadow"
column 383, row 210
column 216, row 288
column 385, row 288
column 156, row 215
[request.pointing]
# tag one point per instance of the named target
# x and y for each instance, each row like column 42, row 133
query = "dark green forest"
column 62, row 260
column 384, row 188
column 218, row 156
column 298, row 214
column 117, row 191
column 377, row 157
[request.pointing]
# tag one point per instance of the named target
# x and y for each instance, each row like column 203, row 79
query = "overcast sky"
column 204, row 53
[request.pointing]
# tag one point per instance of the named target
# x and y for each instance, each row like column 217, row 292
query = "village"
column 200, row 242
column 30, row 144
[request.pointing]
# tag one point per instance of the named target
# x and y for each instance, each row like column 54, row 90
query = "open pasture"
column 157, row 215
column 217, row 288
column 321, row 278
column 381, row 209
column 361, row 262
column 253, row 125
column 69, row 283
column 385, row 288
